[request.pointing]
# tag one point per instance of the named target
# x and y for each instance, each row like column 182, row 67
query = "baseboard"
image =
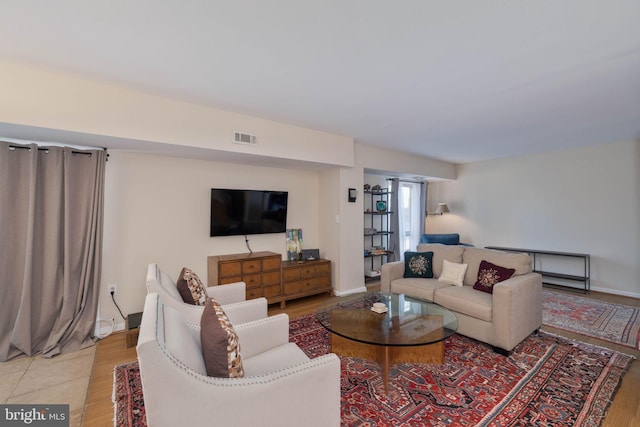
column 349, row 292
column 616, row 292
column 106, row 330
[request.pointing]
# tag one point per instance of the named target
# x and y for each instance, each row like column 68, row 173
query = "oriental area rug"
column 547, row 380
column 616, row 323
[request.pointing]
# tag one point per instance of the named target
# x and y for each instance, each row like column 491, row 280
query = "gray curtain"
column 51, row 215
column 394, row 238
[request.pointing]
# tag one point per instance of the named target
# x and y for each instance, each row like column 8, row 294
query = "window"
column 409, row 216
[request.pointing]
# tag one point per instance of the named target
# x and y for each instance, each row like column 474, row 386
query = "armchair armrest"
column 390, row 272
column 240, row 312
column 517, row 308
column 310, row 391
column 261, row 335
column 229, row 293
column 246, row 311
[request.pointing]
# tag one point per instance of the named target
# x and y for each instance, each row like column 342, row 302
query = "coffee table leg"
column 386, row 370
column 387, row 355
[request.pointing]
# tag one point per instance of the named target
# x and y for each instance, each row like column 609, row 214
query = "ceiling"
column 460, row 81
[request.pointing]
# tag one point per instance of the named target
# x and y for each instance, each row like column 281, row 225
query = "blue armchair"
column 445, row 239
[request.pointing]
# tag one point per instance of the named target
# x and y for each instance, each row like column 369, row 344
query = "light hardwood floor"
column 111, row 351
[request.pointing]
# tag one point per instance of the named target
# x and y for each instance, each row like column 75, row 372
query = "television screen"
column 240, row 212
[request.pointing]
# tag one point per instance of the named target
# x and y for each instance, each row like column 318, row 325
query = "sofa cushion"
column 418, row 288
column 418, row 264
column 219, row 341
column 466, row 300
column 191, row 288
column 441, row 252
column 452, row 273
column 521, row 262
column 489, row 274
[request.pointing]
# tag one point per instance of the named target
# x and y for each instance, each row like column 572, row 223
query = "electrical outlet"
column 113, row 289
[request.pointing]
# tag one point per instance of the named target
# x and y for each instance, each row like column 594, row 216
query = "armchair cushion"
column 489, row 274
column 220, row 345
column 418, row 264
column 277, row 358
column 181, row 341
column 191, row 288
column 228, row 293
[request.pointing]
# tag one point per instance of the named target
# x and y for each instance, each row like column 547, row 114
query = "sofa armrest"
column 390, row 272
column 517, row 309
column 229, row 293
column 246, row 311
column 261, row 335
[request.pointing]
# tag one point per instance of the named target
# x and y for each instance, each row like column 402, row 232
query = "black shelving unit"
column 584, row 279
column 376, row 235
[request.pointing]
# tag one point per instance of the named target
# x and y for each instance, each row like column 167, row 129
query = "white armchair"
column 231, row 296
column 281, row 386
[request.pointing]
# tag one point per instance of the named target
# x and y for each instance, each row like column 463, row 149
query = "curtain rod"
column 46, row 149
column 405, row 180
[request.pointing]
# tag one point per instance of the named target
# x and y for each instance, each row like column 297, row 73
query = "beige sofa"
column 502, row 319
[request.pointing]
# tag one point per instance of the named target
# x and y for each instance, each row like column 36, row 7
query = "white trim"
column 616, row 292
column 349, row 292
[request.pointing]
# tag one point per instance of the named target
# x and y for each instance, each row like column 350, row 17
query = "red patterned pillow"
column 220, row 346
column 191, row 288
column 489, row 274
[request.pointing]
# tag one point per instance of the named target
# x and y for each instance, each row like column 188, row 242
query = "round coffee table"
column 410, row 331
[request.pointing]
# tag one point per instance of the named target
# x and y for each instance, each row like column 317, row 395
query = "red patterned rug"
column 127, row 396
column 547, row 380
column 616, row 323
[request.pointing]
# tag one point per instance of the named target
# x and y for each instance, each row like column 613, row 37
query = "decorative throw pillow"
column 220, row 346
column 452, row 273
column 418, row 264
column 489, row 274
column 191, row 288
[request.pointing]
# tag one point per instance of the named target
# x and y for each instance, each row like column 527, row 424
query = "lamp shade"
column 442, row 209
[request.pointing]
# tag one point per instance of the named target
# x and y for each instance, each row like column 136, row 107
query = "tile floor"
column 61, row 379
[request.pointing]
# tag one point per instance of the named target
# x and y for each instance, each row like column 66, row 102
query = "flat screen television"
column 242, row 212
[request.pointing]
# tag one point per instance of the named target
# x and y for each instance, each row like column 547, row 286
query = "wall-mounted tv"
column 242, row 212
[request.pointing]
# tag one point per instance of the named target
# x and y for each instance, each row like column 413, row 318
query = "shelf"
column 562, row 276
column 375, row 255
column 379, row 233
column 378, row 220
column 584, row 279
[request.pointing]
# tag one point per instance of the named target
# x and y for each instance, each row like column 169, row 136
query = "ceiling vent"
column 245, row 139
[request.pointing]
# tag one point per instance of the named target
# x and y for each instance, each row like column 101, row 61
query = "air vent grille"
column 245, row 139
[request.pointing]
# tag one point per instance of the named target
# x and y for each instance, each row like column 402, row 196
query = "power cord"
column 246, row 241
column 116, row 304
column 112, row 322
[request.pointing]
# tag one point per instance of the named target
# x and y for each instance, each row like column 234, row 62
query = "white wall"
column 157, row 210
column 41, row 99
column 584, row 200
column 350, row 277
